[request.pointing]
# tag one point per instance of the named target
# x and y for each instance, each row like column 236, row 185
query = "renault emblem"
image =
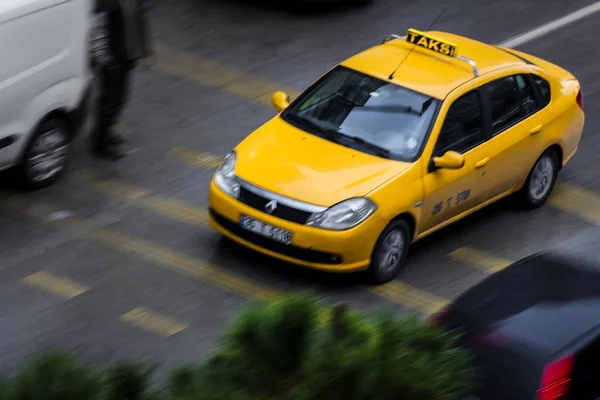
column 271, row 206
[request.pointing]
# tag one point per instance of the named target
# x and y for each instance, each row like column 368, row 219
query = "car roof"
column 426, row 71
column 545, row 302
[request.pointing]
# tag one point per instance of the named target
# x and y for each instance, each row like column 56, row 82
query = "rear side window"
column 543, row 88
column 505, row 102
column 527, row 95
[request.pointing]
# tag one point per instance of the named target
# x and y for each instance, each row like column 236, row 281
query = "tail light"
column 580, row 99
column 556, row 380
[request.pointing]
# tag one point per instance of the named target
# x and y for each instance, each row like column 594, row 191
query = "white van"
column 44, row 80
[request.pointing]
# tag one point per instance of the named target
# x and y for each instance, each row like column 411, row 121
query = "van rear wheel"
column 45, row 158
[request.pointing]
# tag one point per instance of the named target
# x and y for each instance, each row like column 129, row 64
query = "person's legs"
column 102, row 119
column 113, row 93
column 122, row 93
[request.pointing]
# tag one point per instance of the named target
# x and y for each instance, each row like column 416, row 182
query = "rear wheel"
column 389, row 255
column 541, row 180
column 45, row 158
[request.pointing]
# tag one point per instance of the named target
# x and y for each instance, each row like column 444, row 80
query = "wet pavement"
column 117, row 261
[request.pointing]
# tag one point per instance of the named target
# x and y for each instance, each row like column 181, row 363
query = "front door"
column 450, row 192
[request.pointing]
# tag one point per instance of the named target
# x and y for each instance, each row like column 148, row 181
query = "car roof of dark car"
column 545, row 301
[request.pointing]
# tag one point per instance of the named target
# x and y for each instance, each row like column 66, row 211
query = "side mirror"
column 280, row 100
column 450, row 160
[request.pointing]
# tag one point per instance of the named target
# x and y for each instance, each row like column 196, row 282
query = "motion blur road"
column 117, row 260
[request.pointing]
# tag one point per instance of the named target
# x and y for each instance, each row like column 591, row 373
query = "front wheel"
column 541, row 180
column 45, row 157
column 389, row 255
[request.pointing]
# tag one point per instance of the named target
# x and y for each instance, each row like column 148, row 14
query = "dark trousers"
column 114, row 86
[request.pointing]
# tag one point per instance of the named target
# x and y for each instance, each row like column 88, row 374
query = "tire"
column 52, row 141
column 387, row 262
column 532, row 194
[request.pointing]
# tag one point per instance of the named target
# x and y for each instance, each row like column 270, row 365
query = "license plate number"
column 266, row 230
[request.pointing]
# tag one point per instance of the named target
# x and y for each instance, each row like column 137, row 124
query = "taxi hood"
column 291, row 162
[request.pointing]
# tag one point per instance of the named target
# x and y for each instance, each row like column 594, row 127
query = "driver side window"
column 463, row 126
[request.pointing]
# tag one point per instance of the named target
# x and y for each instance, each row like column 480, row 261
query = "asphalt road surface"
column 117, row 260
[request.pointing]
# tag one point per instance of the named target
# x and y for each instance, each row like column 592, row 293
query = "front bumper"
column 332, row 251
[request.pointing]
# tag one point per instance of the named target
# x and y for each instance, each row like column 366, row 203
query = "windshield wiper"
column 392, row 109
column 380, row 151
column 328, row 133
column 336, row 136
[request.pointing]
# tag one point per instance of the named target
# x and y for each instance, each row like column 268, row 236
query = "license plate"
column 265, row 230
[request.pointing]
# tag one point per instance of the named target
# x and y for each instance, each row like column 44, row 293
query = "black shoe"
column 110, row 152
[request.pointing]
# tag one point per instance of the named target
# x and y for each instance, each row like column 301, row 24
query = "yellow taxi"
column 393, row 144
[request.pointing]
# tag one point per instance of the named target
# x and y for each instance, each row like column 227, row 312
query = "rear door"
column 516, row 140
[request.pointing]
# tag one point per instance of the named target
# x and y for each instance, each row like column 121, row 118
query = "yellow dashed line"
column 157, row 254
column 411, row 297
column 200, row 160
column 113, row 187
column 209, row 73
column 479, row 259
column 182, row 263
column 398, row 292
column 576, row 201
column 120, row 190
column 178, row 209
column 148, row 320
column 61, row 287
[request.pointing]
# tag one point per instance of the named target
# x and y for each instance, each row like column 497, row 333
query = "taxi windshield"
column 366, row 114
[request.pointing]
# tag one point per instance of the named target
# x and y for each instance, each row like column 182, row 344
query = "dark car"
column 533, row 329
column 337, row 2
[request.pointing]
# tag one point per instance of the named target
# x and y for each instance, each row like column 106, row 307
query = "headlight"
column 225, row 176
column 343, row 215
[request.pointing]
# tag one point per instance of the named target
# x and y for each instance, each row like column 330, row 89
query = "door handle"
column 535, row 130
column 482, row 163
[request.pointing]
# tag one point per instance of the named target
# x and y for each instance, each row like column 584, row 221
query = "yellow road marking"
column 146, row 319
column 576, row 201
column 201, row 160
column 153, row 252
column 61, row 287
column 184, row 264
column 479, row 259
column 410, row 296
column 209, row 73
column 169, row 207
column 398, row 292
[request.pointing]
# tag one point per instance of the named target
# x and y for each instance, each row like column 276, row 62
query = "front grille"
column 282, row 211
column 308, row 255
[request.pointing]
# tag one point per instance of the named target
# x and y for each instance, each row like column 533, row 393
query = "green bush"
column 53, row 376
column 292, row 349
column 126, row 381
column 299, row 349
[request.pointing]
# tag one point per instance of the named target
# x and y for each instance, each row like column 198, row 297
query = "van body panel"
column 44, row 46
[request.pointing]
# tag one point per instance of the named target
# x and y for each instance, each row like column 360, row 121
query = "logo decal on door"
column 459, row 198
